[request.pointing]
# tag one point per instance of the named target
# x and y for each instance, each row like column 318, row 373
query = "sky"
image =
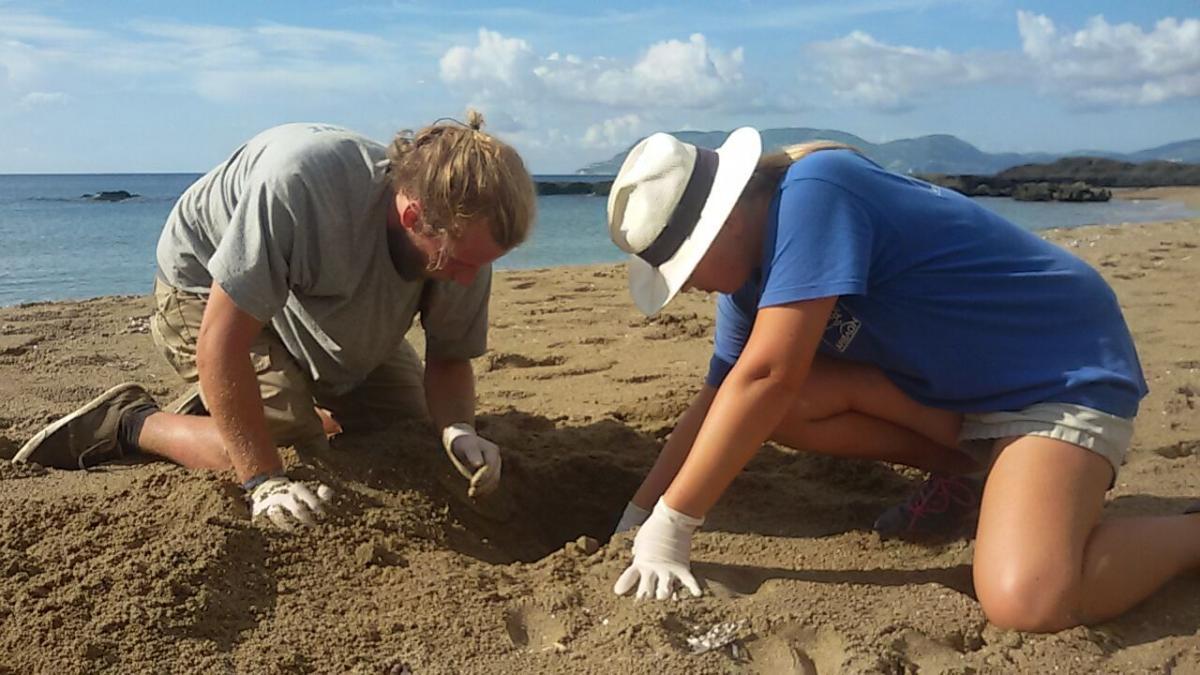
column 151, row 86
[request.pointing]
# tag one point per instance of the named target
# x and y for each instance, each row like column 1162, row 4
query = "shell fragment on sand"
column 715, row 638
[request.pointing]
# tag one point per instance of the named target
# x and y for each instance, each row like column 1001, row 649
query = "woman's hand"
column 662, row 553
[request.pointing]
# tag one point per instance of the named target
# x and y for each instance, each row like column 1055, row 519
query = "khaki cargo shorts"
column 392, row 391
column 1106, row 435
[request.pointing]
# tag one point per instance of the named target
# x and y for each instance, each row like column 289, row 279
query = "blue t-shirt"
column 961, row 309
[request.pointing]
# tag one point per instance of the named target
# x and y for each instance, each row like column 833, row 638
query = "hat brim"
column 653, row 287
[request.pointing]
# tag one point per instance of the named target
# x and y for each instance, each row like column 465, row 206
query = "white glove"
column 661, row 555
column 475, row 457
column 286, row 502
column 632, row 517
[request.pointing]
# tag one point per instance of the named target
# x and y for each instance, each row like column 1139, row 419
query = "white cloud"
column 35, row 99
column 1114, row 64
column 859, row 69
column 218, row 63
column 670, row 74
column 497, row 63
column 618, row 131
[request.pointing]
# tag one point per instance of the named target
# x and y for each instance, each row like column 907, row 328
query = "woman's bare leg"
column 853, row 410
column 1043, row 559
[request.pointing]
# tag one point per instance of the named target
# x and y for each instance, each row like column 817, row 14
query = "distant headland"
column 935, row 154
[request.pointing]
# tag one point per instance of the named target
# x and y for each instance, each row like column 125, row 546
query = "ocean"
column 55, row 244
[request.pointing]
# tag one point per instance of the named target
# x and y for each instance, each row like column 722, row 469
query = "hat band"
column 687, row 212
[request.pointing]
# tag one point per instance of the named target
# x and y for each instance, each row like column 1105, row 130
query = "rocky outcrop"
column 109, row 196
column 1027, row 191
column 574, row 187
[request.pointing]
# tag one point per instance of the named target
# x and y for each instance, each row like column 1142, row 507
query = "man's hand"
column 662, row 553
column 286, row 502
column 475, row 457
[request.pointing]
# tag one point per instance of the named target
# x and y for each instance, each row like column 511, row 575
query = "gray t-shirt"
column 293, row 226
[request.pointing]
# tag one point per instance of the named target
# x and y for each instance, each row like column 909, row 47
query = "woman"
column 871, row 315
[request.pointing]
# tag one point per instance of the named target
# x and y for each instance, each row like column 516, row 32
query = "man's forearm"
column 450, row 391
column 231, row 392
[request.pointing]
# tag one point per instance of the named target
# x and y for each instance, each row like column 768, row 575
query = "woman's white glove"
column 286, row 502
column 474, row 456
column 633, row 516
column 662, row 553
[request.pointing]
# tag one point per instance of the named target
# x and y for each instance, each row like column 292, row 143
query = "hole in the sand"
column 559, row 482
column 530, row 627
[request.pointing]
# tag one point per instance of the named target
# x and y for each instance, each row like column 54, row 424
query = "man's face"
column 437, row 257
column 458, row 260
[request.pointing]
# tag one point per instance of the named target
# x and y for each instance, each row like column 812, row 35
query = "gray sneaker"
column 1194, row 508
column 942, row 508
column 87, row 436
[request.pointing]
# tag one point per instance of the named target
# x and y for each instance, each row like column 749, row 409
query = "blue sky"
column 141, row 85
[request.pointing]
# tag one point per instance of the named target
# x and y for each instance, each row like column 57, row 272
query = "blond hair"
column 461, row 174
column 772, row 166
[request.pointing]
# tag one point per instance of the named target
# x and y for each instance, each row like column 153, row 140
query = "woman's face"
column 734, row 254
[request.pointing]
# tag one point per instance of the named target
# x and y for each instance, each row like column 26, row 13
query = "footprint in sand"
column 796, row 649
column 502, row 360
column 928, row 655
column 533, row 628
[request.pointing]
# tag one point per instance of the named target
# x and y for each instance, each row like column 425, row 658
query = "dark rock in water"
column 574, row 187
column 110, row 196
column 1081, row 192
column 1071, row 192
column 1026, row 191
column 1033, row 192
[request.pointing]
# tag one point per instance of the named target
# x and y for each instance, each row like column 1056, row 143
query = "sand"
column 146, row 567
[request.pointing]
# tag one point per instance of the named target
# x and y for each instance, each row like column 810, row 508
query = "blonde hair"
column 772, row 166
column 461, row 174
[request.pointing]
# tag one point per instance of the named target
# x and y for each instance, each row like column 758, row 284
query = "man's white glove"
column 474, row 456
column 662, row 553
column 632, row 517
column 286, row 502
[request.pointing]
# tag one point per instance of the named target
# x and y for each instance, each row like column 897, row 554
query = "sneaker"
column 86, row 436
column 1194, row 508
column 942, row 507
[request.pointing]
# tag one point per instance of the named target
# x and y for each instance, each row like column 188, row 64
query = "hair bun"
column 474, row 119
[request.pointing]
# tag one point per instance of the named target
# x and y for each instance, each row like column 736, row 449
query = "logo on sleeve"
column 841, row 328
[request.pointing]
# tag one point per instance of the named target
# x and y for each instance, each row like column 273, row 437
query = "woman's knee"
column 1030, row 599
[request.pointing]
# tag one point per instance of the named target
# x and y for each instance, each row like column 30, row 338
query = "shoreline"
column 1188, row 195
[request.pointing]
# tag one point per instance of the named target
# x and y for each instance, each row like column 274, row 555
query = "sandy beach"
column 146, row 567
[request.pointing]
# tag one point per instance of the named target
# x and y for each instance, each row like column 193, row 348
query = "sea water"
column 57, row 244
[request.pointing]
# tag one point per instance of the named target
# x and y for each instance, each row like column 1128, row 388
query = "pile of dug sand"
column 145, row 567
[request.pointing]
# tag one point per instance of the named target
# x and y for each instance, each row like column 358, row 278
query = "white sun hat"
column 668, row 203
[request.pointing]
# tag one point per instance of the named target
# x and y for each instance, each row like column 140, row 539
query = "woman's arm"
column 679, row 444
column 751, row 402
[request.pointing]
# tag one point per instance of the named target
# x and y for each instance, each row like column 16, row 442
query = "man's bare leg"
column 188, row 440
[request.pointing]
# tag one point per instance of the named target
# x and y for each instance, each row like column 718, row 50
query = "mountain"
column 939, row 153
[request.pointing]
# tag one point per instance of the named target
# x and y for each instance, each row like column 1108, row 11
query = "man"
column 288, row 277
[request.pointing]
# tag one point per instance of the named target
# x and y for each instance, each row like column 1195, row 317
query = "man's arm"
column 231, row 388
column 449, row 391
column 450, row 396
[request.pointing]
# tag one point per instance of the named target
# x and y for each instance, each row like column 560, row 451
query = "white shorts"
column 1106, row 435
